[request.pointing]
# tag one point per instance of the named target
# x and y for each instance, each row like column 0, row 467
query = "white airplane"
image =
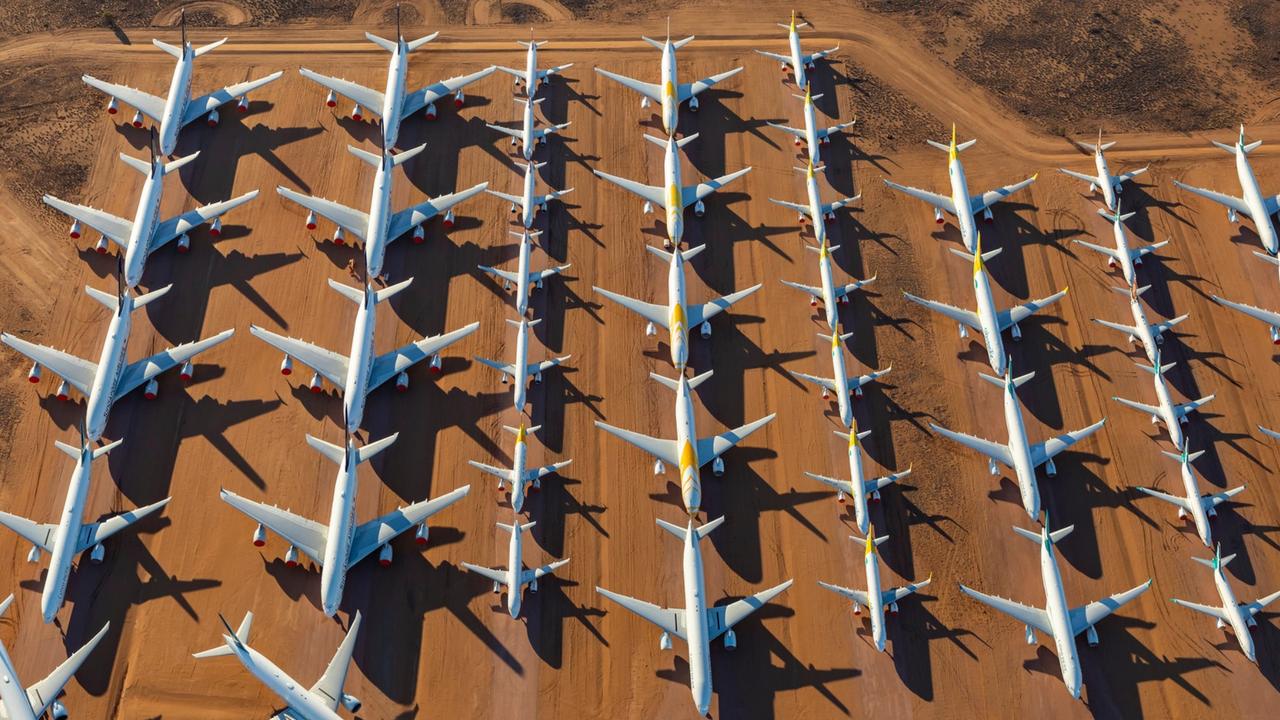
column 1110, row 185
column 514, row 578
column 72, row 535
column 840, row 383
column 696, row 623
column 520, row 370
column 688, row 451
column 1254, row 204
column 531, row 78
column 987, row 320
column 320, row 701
column 519, row 478
column 528, row 203
column 360, row 372
column 960, row 194
column 1149, row 334
column 394, row 105
column 795, row 60
column 1167, row 411
column 179, row 109
column 858, row 489
column 811, row 135
column 1270, row 317
column 670, row 93
column 1057, row 620
column 380, row 226
column 677, row 316
column 113, row 376
column 1019, row 453
column 816, row 211
column 529, row 135
column 523, row 277
column 1199, row 507
column 1124, row 256
column 829, row 294
column 338, row 546
column 875, row 600
column 147, row 233
column 1232, row 613
column 672, row 196
column 19, row 703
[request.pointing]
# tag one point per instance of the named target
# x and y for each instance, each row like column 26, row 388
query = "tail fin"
column 817, row 249
column 698, row 532
column 660, row 142
column 1131, row 291
column 176, row 52
column 365, row 155
column 206, row 48
column 1115, row 216
column 693, row 382
column 174, row 165
column 407, row 155
column 365, row 453
column 1054, row 537
column 686, row 140
column 969, row 256
column 516, row 431
column 1184, row 456
column 383, row 43
column 240, row 637
column 333, row 452
column 527, row 323
column 685, row 255
column 387, row 292
column 533, row 43
column 415, row 44
column 140, row 165
column 1156, row 370
column 142, row 300
column 355, row 295
column 107, row 300
column 512, row 528
column 999, row 382
column 681, row 43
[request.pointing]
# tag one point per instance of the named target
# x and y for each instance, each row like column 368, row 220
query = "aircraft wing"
column 827, row 383
column 1267, row 316
column 652, row 193
column 723, row 617
column 530, row 575
column 505, row 275
column 785, row 59
column 828, row 132
column 1079, row 176
column 505, row 368
column 354, row 221
column 1035, row 617
column 671, row 620
column 649, row 90
column 1109, row 252
column 137, row 373
column 546, row 470
column 501, row 473
column 934, row 199
column 513, row 132
column 74, row 370
column 1045, row 451
column 699, row 314
column 814, row 291
column 1258, row 605
column 38, row 534
column 367, row 98
column 94, row 533
column 1184, row 409
column 1085, row 617
column 860, row 380
column 691, row 194
column 1013, row 316
column 216, row 99
column 885, row 481
column 893, row 595
column 838, row 204
column 390, row 364
column 516, row 199
column 843, row 486
column 1216, row 499
column 419, row 99
column 656, row 314
column 116, row 229
column 498, row 576
column 852, row 287
column 42, row 694
column 1211, row 611
column 308, row 536
column 995, row 451
column 328, row 689
column 536, row 367
column 711, row 448
column 818, row 55
column 175, row 226
column 411, row 217
column 1171, row 499
column 964, row 317
column 802, row 209
column 146, row 103
column 688, row 90
column 1151, row 410
column 378, row 532
column 664, row 450
column 328, row 363
column 991, row 197
column 857, row 596
column 1235, row 203
column 796, row 132
column 1126, row 177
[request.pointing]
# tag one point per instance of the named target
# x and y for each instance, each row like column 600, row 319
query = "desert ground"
column 435, row 642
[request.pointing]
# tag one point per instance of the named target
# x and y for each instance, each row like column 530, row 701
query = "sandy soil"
column 434, row 642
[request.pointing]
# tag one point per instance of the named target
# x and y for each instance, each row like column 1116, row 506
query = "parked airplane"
column 696, row 623
column 514, row 578
column 519, row 478
column 987, row 320
column 339, row 545
column 875, row 600
column 816, row 211
column 1199, row 507
column 1254, row 204
column 380, row 226
column 960, row 194
column 828, row 293
column 858, row 489
column 19, row 703
column 394, row 105
column 531, row 78
column 677, row 316
column 1124, row 256
column 1231, row 613
column 147, row 233
column 840, row 383
column 112, row 377
column 688, row 451
column 523, row 277
column 1057, row 620
column 795, row 60
column 811, row 135
column 1270, row 317
column 360, row 372
column 670, row 93
column 527, row 202
column 529, row 135
column 520, row 370
column 1167, row 411
column 72, row 535
column 1110, row 185
column 320, row 701
column 672, row 196
column 1150, row 335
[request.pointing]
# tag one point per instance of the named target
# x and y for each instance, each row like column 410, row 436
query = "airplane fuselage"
column 811, row 131
column 144, row 225
column 875, row 601
column 1167, row 413
column 111, row 362
column 517, row 475
column 175, row 104
column 675, row 199
column 302, row 704
column 1254, row 201
column 1056, row 608
column 530, row 209
column 828, row 289
column 522, row 275
column 1104, row 181
column 521, row 364
column 687, row 442
column 515, row 564
column 815, row 208
column 695, row 614
column 393, row 98
column 1191, row 491
column 65, row 536
column 342, row 528
column 857, row 486
column 841, row 379
column 670, row 100
column 360, row 364
column 964, row 206
column 527, row 141
column 1020, row 449
column 1122, row 249
column 13, row 697
column 1143, row 329
column 797, row 59
column 1237, row 617
column 678, row 322
column 531, row 70
column 375, row 242
column 988, row 320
